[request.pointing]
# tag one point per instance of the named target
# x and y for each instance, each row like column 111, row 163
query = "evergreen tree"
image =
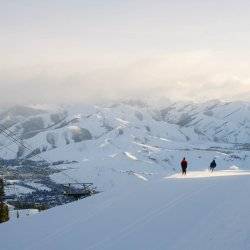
column 1, row 188
column 4, row 212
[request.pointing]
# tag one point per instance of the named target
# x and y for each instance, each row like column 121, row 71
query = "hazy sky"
column 65, row 50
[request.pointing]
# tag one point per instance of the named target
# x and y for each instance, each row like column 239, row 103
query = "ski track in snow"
column 68, row 227
column 130, row 228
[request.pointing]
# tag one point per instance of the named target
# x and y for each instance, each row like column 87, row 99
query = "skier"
column 212, row 165
column 184, row 165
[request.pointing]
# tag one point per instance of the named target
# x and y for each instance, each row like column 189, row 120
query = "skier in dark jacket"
column 212, row 165
column 184, row 165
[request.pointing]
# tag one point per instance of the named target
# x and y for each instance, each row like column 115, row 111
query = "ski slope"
column 174, row 212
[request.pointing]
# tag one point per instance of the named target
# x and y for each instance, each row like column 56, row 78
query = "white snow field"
column 174, row 212
column 131, row 152
column 206, row 173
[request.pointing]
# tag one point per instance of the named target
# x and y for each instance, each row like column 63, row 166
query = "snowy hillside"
column 173, row 213
column 131, row 152
column 133, row 138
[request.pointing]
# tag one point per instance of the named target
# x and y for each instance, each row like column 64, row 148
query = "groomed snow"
column 207, row 174
column 171, row 213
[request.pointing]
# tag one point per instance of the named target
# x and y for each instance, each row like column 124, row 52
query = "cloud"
column 196, row 75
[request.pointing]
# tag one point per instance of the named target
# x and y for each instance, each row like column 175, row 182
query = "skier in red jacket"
column 184, row 165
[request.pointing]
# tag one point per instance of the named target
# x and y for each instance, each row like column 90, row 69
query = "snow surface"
column 172, row 213
column 133, row 158
column 22, row 213
column 207, row 173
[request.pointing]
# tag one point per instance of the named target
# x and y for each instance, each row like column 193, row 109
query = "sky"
column 71, row 51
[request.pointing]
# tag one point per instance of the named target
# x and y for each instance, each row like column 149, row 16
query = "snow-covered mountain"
column 128, row 138
column 131, row 151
